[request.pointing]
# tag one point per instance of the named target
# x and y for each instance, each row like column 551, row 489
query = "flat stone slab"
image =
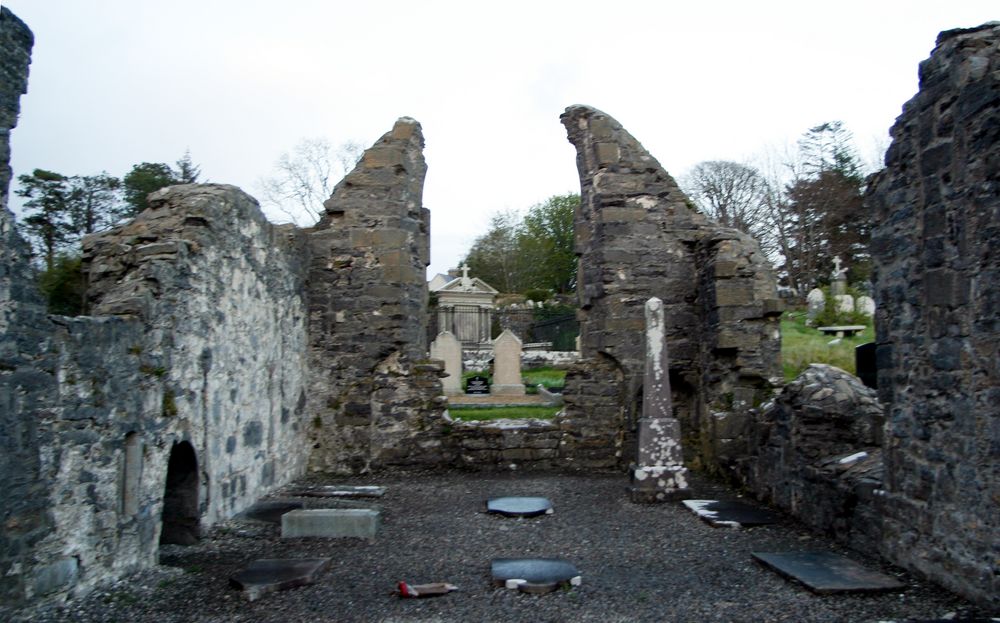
column 842, row 330
column 519, row 506
column 825, row 572
column 270, row 511
column 330, row 522
column 337, row 491
column 534, row 575
column 276, row 574
column 731, row 513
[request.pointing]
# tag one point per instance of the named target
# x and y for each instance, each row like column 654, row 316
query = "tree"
column 95, row 203
column 64, row 285
column 187, row 170
column 735, row 195
column 305, row 178
column 494, row 256
column 143, row 179
column 545, row 242
column 530, row 253
column 48, row 225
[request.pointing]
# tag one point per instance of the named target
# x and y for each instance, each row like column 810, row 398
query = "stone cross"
column 836, row 265
column 839, row 284
column 466, row 282
column 658, row 474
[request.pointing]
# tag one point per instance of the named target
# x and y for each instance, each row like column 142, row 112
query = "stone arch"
column 180, row 497
column 131, row 475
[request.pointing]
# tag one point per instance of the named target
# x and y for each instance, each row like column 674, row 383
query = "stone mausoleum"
column 222, row 356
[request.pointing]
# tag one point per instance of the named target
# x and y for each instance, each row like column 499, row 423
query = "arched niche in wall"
column 131, row 475
column 180, row 497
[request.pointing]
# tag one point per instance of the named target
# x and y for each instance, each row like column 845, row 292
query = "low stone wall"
column 816, row 453
column 507, row 444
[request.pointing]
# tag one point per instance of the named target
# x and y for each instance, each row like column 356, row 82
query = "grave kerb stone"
column 330, row 522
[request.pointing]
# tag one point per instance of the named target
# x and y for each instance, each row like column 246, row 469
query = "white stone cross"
column 836, row 264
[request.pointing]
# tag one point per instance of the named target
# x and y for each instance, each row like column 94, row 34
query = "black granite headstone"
column 275, row 574
column 864, row 364
column 731, row 513
column 825, row 572
column 478, row 384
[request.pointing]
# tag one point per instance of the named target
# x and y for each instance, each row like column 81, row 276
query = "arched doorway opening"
column 180, row 497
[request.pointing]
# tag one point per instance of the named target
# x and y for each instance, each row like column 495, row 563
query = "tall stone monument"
column 658, row 474
column 838, row 278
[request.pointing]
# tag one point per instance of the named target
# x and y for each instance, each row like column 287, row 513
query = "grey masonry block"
column 330, row 522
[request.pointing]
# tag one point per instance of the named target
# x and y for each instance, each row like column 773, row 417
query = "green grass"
column 502, row 413
column 802, row 345
column 547, row 376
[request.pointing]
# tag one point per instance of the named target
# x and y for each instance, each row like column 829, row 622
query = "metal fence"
column 474, row 325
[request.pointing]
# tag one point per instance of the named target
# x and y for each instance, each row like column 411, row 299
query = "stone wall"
column 377, row 401
column 816, row 454
column 197, row 338
column 937, row 287
column 637, row 236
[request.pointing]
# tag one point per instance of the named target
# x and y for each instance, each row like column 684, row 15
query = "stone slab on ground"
column 731, row 513
column 268, row 575
column 360, row 523
column 519, row 506
column 270, row 511
column 337, row 491
column 825, row 573
column 534, row 575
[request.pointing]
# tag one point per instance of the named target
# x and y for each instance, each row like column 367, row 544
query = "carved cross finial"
column 836, row 263
column 465, row 271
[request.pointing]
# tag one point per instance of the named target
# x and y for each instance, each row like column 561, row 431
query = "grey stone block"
column 330, row 522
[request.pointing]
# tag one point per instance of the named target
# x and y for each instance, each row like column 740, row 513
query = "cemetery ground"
column 802, row 345
column 638, row 563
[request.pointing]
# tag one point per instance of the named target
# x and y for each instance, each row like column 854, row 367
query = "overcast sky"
column 117, row 82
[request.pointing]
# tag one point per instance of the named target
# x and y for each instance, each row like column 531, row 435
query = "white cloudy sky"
column 117, row 82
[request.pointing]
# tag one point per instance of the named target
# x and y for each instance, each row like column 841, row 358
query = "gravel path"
column 639, row 563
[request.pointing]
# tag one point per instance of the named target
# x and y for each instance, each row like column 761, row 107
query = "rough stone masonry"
column 937, row 286
column 637, row 236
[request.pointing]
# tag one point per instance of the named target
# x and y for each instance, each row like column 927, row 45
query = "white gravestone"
column 866, row 305
column 447, row 348
column 507, row 365
column 816, row 302
column 844, row 303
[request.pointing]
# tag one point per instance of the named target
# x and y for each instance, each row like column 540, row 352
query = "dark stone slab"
column 534, row 575
column 270, row 511
column 825, row 572
column 731, row 513
column 864, row 363
column 519, row 506
column 275, row 574
column 337, row 491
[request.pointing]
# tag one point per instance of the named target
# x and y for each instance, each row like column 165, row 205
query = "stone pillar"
column 658, row 473
column 507, row 365
column 447, row 348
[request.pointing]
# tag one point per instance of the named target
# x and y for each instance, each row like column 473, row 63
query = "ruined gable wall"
column 937, row 279
column 637, row 237
column 375, row 399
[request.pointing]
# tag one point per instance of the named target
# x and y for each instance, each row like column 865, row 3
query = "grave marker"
column 447, row 348
column 507, row 365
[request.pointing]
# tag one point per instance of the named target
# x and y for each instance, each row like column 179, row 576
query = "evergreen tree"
column 143, row 179
column 48, row 222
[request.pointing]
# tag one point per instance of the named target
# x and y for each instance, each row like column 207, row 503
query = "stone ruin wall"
column 637, row 236
column 197, row 335
column 937, row 284
column 376, row 399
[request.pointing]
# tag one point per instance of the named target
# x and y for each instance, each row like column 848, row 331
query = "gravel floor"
column 639, row 563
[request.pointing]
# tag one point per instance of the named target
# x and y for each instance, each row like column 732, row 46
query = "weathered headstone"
column 825, row 573
column 816, row 302
column 330, row 522
column 507, row 365
column 276, row 574
column 731, row 513
column 865, row 305
column 658, row 473
column 447, row 348
column 844, row 303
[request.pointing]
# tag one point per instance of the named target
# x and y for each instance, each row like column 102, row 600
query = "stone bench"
column 330, row 523
column 843, row 330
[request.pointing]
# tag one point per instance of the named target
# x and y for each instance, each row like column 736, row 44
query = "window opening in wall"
column 180, row 497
